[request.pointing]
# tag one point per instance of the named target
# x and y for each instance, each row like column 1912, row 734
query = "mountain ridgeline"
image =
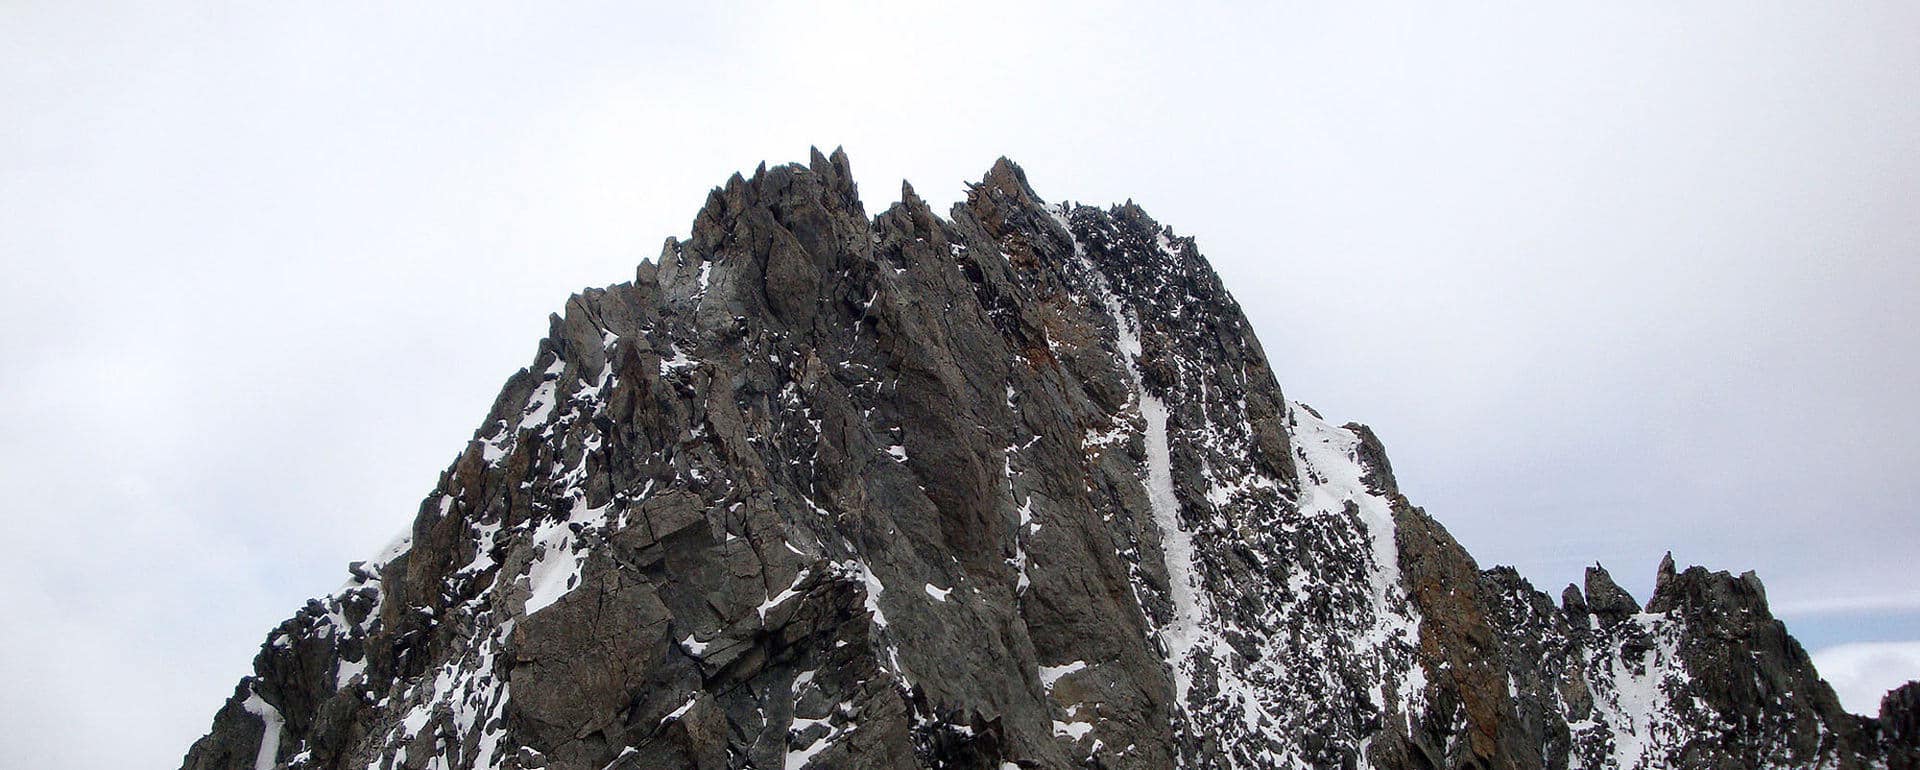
column 1013, row 488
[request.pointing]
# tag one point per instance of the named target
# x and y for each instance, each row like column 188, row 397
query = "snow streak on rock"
column 1307, row 639
column 1179, row 632
column 271, row 726
column 1635, row 721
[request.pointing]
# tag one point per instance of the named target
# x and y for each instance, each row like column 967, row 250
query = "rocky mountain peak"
column 1606, row 599
column 1013, row 487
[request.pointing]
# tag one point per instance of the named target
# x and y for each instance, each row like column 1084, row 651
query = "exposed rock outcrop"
column 1010, row 488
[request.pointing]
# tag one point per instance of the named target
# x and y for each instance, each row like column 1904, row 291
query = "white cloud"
column 1862, row 672
column 1887, row 603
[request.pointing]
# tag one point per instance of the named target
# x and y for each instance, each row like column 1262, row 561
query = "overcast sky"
column 1607, row 282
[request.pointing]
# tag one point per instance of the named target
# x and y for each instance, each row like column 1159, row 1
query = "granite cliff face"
column 1013, row 488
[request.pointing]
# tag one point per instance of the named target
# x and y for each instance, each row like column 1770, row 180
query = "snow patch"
column 1332, row 478
column 1071, row 730
column 782, row 597
column 271, row 725
column 679, row 360
column 345, row 670
column 1632, row 695
column 1051, row 675
column 1176, row 543
column 683, row 709
column 556, row 569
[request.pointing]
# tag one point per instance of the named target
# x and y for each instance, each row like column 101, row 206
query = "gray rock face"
column 1900, row 726
column 1013, row 488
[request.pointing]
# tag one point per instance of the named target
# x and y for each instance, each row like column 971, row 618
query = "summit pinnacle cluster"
column 1012, row 488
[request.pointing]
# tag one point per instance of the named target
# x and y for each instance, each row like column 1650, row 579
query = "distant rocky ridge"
column 1015, row 488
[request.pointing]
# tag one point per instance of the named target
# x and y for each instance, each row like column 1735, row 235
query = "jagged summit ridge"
column 1009, row 487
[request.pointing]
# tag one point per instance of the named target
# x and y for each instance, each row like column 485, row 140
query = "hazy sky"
column 1607, row 281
